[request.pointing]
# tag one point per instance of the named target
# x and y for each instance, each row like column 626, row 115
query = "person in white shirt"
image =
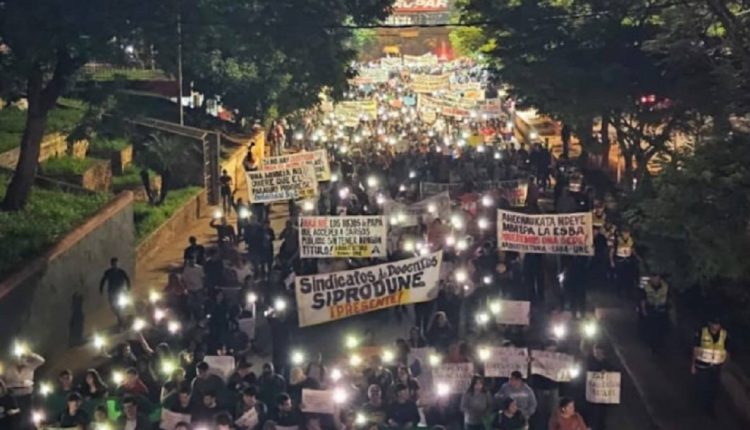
column 192, row 276
column 19, row 378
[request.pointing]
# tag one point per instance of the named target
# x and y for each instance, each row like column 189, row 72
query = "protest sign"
column 513, row 312
column 603, row 387
column 569, row 234
column 248, row 420
column 220, row 365
column 389, row 63
column 428, row 59
column 278, row 427
column 553, row 365
column 343, row 236
column 352, row 111
column 371, row 75
column 317, row 401
column 515, row 192
column 273, row 185
column 333, row 296
column 505, row 360
column 318, row 159
column 429, row 83
column 466, row 86
column 408, row 215
column 170, row 419
column 457, row 376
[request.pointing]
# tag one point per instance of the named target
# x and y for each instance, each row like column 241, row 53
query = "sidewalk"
column 662, row 380
column 149, row 276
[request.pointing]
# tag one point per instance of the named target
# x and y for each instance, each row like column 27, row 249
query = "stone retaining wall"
column 37, row 303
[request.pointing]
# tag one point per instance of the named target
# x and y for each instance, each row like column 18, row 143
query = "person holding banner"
column 596, row 413
column 709, row 355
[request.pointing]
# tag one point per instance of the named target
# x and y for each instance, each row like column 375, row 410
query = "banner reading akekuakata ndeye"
column 272, row 185
column 569, row 234
column 343, row 236
column 337, row 295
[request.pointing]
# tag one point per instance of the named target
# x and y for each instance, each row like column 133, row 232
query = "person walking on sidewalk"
column 117, row 282
column 709, row 355
column 225, row 186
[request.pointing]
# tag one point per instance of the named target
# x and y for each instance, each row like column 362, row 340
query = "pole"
column 179, row 66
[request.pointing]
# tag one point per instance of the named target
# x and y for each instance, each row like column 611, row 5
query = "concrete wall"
column 36, row 301
column 174, row 228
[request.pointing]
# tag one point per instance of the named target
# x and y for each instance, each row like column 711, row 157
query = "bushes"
column 130, row 177
column 101, row 144
column 48, row 216
column 148, row 218
column 13, row 121
column 65, row 166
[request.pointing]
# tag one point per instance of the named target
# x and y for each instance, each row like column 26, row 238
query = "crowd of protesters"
column 163, row 365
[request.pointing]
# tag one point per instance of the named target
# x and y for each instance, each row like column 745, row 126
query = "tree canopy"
column 260, row 57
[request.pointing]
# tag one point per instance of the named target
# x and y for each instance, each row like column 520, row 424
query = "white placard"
column 220, row 365
column 569, row 234
column 248, row 420
column 318, row 159
column 513, row 312
column 170, row 419
column 317, row 401
column 456, row 375
column 603, row 387
column 553, row 365
column 505, row 360
column 281, row 184
column 343, row 237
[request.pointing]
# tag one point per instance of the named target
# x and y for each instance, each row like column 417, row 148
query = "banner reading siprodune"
column 272, row 184
column 570, row 234
column 333, row 296
column 343, row 236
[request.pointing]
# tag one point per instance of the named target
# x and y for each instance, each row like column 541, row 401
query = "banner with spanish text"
column 429, row 83
column 338, row 295
column 603, row 387
column 343, row 237
column 503, row 361
column 272, row 185
column 568, row 234
column 351, row 112
column 406, row 215
column 318, row 159
column 556, row 366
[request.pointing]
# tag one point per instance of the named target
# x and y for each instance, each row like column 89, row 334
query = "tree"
column 695, row 220
column 262, row 57
column 42, row 45
column 469, row 41
column 582, row 60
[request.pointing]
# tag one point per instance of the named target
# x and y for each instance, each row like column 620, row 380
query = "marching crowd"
column 188, row 360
